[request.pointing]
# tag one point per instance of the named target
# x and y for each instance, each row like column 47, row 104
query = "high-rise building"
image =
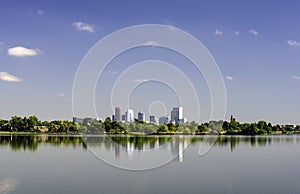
column 129, row 116
column 164, row 120
column 118, row 116
column 153, row 119
column 141, row 116
column 177, row 115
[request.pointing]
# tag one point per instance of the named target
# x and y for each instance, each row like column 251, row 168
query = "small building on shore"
column 42, row 129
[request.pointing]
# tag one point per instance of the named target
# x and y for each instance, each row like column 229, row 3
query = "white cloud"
column 20, row 51
column 151, row 43
column 140, row 80
column 253, row 32
column 218, row 33
column 9, row 78
column 40, row 12
column 229, row 77
column 296, row 77
column 236, row 32
column 61, row 94
column 292, row 43
column 113, row 72
column 81, row 26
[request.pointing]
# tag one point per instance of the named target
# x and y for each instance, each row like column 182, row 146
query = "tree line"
column 93, row 126
column 33, row 124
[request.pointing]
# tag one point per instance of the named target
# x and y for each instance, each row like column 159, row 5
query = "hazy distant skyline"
column 255, row 43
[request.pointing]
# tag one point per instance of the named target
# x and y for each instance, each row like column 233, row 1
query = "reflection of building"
column 177, row 147
column 118, row 116
column 164, row 120
column 139, row 147
column 129, row 116
column 177, row 115
column 141, row 116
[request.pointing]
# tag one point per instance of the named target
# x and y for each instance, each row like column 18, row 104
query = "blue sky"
column 255, row 43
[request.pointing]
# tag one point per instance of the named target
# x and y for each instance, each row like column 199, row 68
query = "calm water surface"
column 65, row 164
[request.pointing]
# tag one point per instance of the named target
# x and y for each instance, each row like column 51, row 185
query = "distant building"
column 113, row 117
column 42, row 129
column 118, row 116
column 177, row 115
column 141, row 116
column 76, row 119
column 232, row 119
column 185, row 120
column 153, row 119
column 164, row 120
column 129, row 116
column 123, row 117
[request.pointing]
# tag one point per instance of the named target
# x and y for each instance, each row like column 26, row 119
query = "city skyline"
column 176, row 116
column 257, row 51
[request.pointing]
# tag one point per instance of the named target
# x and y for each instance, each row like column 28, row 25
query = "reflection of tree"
column 262, row 141
column 31, row 142
column 137, row 142
column 253, row 140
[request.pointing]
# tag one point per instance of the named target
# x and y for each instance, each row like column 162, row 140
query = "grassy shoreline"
column 143, row 134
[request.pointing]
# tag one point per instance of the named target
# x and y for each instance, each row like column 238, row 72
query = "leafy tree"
column 163, row 129
column 107, row 125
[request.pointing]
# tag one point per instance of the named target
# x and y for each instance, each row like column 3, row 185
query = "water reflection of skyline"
column 175, row 146
column 131, row 144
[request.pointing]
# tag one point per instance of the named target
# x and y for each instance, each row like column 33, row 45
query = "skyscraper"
column 141, row 116
column 118, row 116
column 177, row 115
column 153, row 119
column 129, row 116
column 164, row 120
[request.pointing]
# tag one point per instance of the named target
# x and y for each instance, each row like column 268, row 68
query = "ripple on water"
column 7, row 185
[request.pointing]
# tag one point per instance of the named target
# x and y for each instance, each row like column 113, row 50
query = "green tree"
column 107, row 125
column 163, row 129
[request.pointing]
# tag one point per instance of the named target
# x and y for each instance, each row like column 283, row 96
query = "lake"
column 149, row 164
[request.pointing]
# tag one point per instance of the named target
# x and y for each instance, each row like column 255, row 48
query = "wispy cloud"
column 81, row 26
column 60, row 94
column 292, row 43
column 236, row 32
column 140, row 80
column 151, row 43
column 253, row 32
column 9, row 78
column 218, row 33
column 20, row 51
column 296, row 77
column 40, row 12
column 230, row 78
column 113, row 72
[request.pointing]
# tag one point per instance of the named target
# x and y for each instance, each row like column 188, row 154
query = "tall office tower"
column 153, row 119
column 164, row 120
column 141, row 116
column 118, row 116
column 129, row 116
column 177, row 115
